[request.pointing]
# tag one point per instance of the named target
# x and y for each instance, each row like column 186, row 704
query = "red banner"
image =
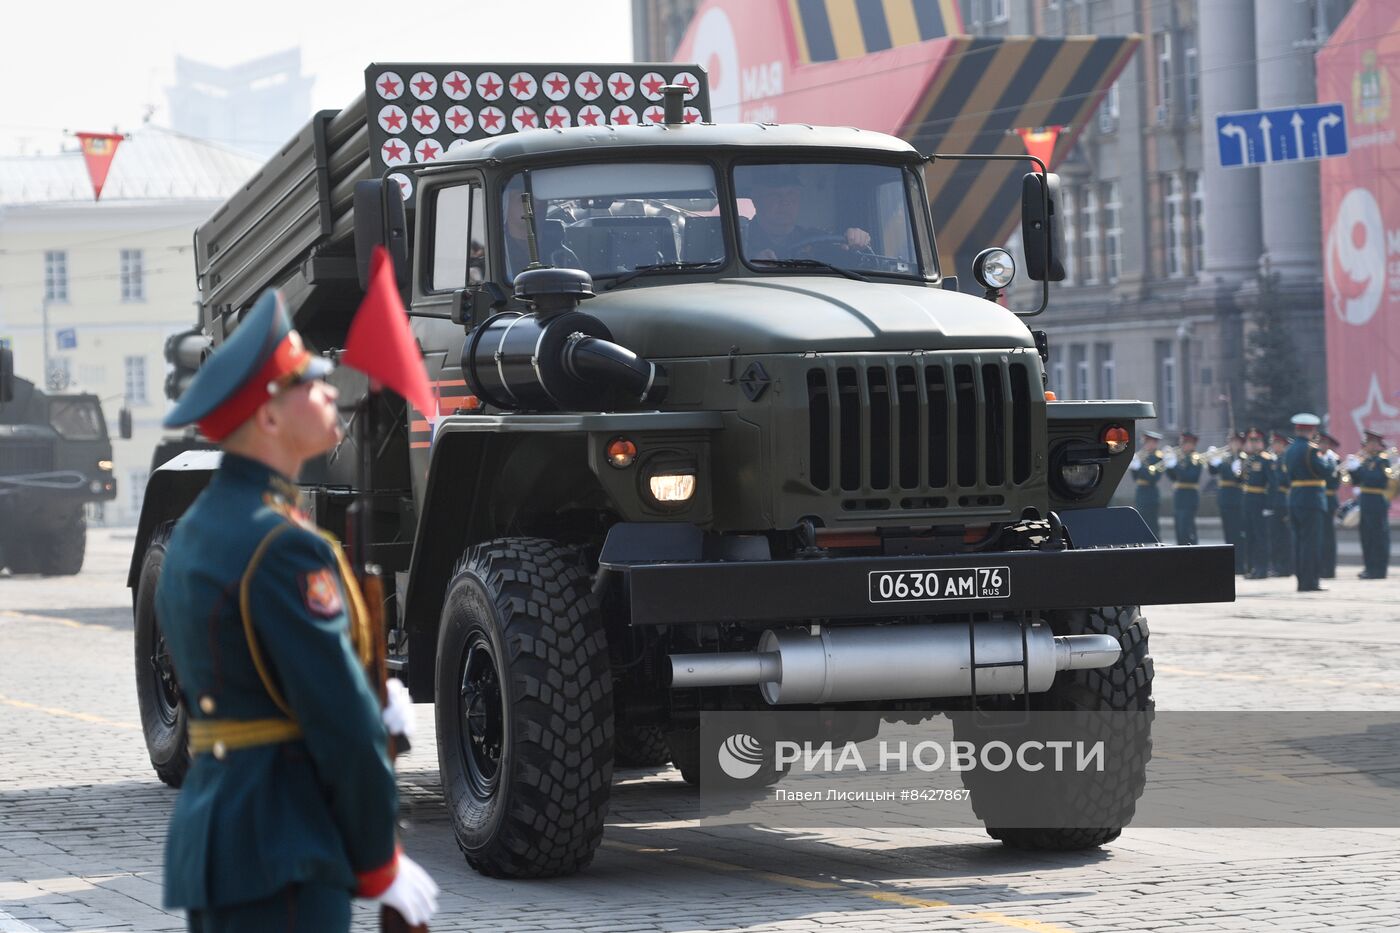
column 1360, row 65
column 98, row 151
column 1040, row 143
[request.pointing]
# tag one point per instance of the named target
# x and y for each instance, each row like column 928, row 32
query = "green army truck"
column 680, row 463
column 55, row 457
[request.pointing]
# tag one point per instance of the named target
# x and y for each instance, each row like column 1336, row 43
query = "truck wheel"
column 1096, row 805
column 163, row 717
column 641, row 747
column 61, row 550
column 684, row 747
column 524, row 710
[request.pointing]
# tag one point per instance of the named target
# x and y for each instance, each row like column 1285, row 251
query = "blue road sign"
column 66, row 338
column 1288, row 134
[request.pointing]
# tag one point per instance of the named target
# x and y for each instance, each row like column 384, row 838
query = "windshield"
column 78, row 419
column 850, row 216
column 610, row 219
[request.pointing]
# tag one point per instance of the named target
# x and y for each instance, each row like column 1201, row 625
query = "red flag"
column 1041, row 142
column 381, row 344
column 98, row 152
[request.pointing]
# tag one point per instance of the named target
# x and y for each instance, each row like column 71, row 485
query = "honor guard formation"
column 289, row 805
column 1278, row 505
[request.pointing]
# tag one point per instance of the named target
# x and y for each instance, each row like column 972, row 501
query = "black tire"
column 1095, row 805
column 60, row 550
column 524, row 710
column 164, row 721
column 640, row 747
column 684, row 748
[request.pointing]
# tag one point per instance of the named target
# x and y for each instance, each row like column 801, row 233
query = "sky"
column 84, row 65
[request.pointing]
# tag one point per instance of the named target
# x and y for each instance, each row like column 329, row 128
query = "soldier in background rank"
column 1281, row 544
column 1328, row 569
column 1184, row 470
column 1371, row 474
column 1256, row 472
column 1307, row 471
column 1230, row 497
column 1147, row 469
column 289, row 806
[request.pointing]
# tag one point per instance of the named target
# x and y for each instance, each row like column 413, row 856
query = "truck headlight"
column 1079, row 478
column 670, row 482
column 994, row 269
column 105, row 465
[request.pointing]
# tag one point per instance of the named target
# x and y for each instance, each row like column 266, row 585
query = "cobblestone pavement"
column 82, row 817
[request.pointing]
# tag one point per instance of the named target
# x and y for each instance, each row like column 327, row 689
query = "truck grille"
column 18, row 457
column 941, row 424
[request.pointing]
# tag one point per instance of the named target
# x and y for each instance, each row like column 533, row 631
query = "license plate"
column 916, row 586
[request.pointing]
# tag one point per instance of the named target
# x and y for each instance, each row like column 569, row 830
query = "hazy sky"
column 84, row 65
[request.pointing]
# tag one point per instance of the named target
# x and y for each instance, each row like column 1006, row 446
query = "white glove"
column 1353, row 463
column 413, row 894
column 1170, row 462
column 400, row 717
column 1215, row 462
column 1136, row 464
column 1330, row 458
column 1236, row 467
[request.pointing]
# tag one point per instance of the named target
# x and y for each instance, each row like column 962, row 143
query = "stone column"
column 1225, row 36
column 1288, row 193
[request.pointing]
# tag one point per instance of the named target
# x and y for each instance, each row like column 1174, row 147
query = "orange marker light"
column 1117, row 438
column 621, row 452
column 1050, row 396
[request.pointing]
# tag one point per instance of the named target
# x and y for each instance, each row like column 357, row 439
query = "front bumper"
column 767, row 591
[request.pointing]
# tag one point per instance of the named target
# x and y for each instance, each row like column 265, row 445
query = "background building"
column 255, row 106
column 113, row 278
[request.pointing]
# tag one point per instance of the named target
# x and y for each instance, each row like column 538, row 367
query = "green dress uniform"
column 1186, row 495
column 1328, row 570
column 1280, row 528
column 1370, row 480
column 1259, row 480
column 1307, row 507
column 1230, row 498
column 1147, row 472
column 289, row 805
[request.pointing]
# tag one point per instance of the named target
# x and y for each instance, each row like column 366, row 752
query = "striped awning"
column 836, row 30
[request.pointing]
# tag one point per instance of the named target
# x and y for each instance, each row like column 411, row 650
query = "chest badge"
column 322, row 593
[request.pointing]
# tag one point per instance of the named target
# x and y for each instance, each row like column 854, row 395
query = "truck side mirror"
column 380, row 220
column 124, row 423
column 7, row 375
column 471, row 306
column 1042, row 231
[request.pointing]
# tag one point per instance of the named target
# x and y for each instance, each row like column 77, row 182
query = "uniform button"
column 206, row 705
column 220, row 750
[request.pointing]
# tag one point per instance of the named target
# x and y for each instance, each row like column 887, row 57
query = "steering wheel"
column 810, row 243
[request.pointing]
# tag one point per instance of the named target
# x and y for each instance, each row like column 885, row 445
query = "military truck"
column 55, row 457
column 668, row 472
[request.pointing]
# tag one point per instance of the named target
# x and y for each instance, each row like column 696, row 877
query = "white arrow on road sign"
column 1327, row 120
column 1297, row 122
column 1230, row 129
column 1265, row 124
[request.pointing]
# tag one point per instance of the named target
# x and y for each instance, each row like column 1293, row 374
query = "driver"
column 774, row 233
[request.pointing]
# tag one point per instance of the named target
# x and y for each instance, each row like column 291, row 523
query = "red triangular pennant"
column 1040, row 142
column 381, row 344
column 98, row 151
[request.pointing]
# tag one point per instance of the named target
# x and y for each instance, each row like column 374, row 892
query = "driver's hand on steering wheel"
column 856, row 238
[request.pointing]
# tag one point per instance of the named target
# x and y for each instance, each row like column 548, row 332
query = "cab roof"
column 693, row 136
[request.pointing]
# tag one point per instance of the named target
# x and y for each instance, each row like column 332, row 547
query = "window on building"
column 136, row 489
column 133, row 275
column 1198, row 221
column 60, row 374
column 135, row 382
column 1057, row 371
column 1166, row 384
column 1112, row 230
column 1089, row 234
column 55, row 275
column 1192, row 67
column 1164, row 76
column 1108, row 110
column 1078, row 357
column 1069, row 219
column 998, row 11
column 1103, row 357
column 1175, row 239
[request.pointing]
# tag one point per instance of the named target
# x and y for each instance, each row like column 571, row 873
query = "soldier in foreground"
column 1307, row 470
column 1184, row 470
column 1328, row 569
column 1147, row 469
column 289, row 806
column 1231, row 497
column 1371, row 475
column 1281, row 537
column 1257, row 474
